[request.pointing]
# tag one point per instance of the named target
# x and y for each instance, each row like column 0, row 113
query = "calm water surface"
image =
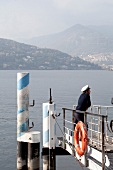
column 66, row 86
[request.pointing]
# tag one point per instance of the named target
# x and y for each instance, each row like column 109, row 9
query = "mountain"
column 14, row 56
column 78, row 40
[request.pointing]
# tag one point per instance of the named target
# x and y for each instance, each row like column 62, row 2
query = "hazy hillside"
column 79, row 40
column 14, row 55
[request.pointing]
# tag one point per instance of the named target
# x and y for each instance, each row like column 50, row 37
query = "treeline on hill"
column 14, row 56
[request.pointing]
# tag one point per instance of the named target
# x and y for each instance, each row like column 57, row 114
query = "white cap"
column 85, row 88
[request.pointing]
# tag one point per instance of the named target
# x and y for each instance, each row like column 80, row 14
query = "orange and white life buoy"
column 82, row 129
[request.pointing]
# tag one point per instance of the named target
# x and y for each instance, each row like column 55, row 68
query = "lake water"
column 65, row 85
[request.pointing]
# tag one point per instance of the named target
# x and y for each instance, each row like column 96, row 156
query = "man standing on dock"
column 84, row 103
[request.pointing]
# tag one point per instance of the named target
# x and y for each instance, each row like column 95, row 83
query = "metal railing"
column 108, row 111
column 96, row 127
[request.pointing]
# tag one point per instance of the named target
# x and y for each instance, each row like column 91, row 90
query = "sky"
column 24, row 19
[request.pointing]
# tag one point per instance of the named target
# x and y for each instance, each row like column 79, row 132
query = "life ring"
column 111, row 125
column 82, row 129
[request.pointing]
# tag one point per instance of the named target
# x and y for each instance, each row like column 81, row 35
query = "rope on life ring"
column 82, row 129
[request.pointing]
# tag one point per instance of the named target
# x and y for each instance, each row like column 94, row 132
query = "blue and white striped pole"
column 45, row 125
column 22, row 117
column 22, row 103
column 49, row 134
column 49, row 126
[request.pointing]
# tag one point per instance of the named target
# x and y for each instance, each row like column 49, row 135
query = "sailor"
column 84, row 103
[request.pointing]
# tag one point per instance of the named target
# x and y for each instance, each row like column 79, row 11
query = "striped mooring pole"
column 28, row 143
column 49, row 134
column 22, row 118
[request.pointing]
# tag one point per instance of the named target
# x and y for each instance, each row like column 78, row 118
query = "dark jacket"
column 84, row 103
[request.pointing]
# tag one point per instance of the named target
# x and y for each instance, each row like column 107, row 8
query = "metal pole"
column 73, row 119
column 106, row 125
column 49, row 162
column 49, row 125
column 64, row 120
column 50, row 99
column 91, row 127
column 22, row 152
column 85, row 121
column 22, row 117
column 99, row 112
column 74, row 153
column 64, row 127
column 34, row 150
column 49, row 134
column 52, row 126
column 33, row 156
column 103, row 145
column 45, row 125
column 22, row 103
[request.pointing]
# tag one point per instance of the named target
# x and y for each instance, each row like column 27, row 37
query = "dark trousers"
column 79, row 117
